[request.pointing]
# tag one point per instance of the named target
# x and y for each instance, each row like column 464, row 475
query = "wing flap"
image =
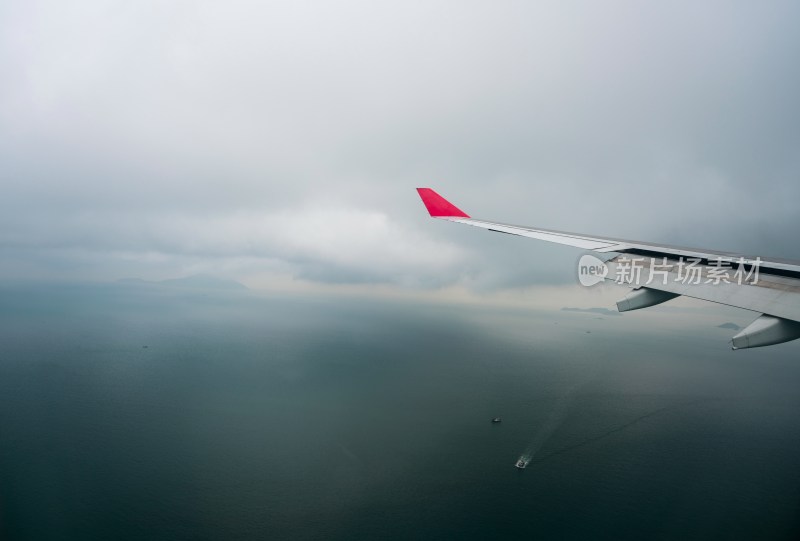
column 775, row 295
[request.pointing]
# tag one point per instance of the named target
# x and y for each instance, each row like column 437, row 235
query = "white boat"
column 522, row 463
column 496, row 420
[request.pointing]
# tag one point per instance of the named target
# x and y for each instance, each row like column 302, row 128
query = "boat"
column 496, row 420
column 522, row 463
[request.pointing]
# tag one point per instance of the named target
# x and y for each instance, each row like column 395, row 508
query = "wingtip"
column 438, row 206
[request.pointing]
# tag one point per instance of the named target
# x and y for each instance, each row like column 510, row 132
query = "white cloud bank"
column 244, row 138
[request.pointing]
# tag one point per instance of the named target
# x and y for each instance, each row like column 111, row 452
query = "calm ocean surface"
column 134, row 412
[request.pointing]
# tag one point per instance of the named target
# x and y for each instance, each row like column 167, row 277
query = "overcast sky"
column 280, row 143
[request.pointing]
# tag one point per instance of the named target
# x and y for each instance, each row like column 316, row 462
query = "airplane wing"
column 658, row 273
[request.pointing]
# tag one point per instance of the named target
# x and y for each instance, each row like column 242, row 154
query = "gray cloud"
column 159, row 137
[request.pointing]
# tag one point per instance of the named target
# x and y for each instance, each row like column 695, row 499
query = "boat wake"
column 553, row 421
column 617, row 429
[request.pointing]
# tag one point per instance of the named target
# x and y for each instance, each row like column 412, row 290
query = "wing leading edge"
column 769, row 287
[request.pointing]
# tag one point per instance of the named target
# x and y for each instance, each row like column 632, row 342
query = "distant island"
column 596, row 310
column 196, row 281
column 729, row 325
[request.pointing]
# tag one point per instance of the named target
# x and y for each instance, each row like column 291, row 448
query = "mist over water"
column 139, row 412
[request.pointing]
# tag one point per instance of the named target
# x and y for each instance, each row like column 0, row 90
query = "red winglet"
column 438, row 206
